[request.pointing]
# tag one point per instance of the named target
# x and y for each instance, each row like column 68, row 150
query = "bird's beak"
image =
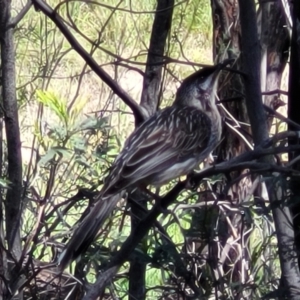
column 213, row 77
column 210, row 80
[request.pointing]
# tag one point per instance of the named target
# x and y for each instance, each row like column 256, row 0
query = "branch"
column 13, row 199
column 251, row 66
column 14, row 22
column 241, row 162
column 277, row 91
column 282, row 216
column 49, row 12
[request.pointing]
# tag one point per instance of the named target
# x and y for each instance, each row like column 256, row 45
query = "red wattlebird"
column 169, row 144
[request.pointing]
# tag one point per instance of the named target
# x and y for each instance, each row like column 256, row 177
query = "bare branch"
column 251, row 64
column 241, row 162
column 48, row 11
column 14, row 22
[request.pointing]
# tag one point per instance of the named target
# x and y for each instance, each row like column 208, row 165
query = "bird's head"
column 198, row 90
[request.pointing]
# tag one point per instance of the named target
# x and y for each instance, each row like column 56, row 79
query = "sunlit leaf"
column 55, row 104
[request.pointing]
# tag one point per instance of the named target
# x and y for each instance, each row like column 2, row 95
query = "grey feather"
column 169, row 144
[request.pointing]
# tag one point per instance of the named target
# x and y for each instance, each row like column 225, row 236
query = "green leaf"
column 82, row 161
column 92, row 123
column 57, row 133
column 64, row 153
column 78, row 143
column 49, row 156
column 52, row 152
column 4, row 183
column 55, row 104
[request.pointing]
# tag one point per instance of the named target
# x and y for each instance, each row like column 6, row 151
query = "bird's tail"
column 88, row 229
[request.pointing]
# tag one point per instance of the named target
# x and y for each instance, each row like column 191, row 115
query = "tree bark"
column 13, row 201
column 293, row 114
column 282, row 218
column 227, row 44
column 154, row 66
column 149, row 102
column 229, row 41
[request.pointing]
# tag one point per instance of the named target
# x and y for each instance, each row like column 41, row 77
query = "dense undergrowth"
column 73, row 127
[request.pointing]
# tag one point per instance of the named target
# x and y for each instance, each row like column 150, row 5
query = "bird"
column 169, row 144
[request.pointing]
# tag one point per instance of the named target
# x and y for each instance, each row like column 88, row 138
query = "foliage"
column 73, row 127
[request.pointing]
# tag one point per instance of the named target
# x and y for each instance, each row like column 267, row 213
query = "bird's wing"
column 169, row 137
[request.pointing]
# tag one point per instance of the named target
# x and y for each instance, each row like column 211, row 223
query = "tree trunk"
column 230, row 42
column 293, row 114
column 149, row 102
column 13, row 201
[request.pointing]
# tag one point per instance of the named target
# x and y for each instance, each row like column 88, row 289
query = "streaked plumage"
column 169, row 144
